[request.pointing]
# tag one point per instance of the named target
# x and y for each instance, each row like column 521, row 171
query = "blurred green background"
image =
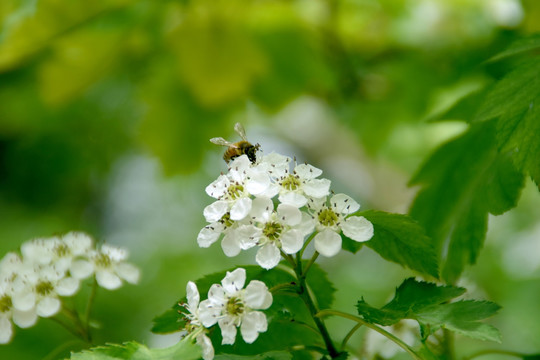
column 106, row 108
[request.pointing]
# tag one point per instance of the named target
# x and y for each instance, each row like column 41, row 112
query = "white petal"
column 357, row 228
column 218, row 187
column 78, row 242
column 215, row 210
column 210, row 234
column 6, row 330
column 48, row 306
column 24, row 300
column 276, row 165
column 268, row 256
column 292, row 241
column 261, row 209
column 317, row 188
column 240, row 209
column 81, row 269
column 67, row 286
column 258, row 182
column 108, row 280
column 38, row 251
column 288, row 214
column 293, row 198
column 238, row 168
column 234, row 280
column 216, row 295
column 307, row 225
column 208, row 313
column 344, row 204
column 228, row 332
column 247, row 236
column 257, row 295
column 306, row 171
column 128, row 272
column 252, row 324
column 115, row 253
column 25, row 319
column 207, row 348
column 327, row 243
column 192, row 295
column 230, row 245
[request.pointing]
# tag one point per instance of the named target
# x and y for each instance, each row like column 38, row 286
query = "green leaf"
column 429, row 305
column 519, row 46
column 463, row 180
column 273, row 355
column 321, row 287
column 401, row 239
column 185, row 350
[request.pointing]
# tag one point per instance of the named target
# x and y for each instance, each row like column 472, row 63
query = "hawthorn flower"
column 282, row 229
column 229, row 228
column 295, row 188
column 331, row 219
column 234, row 189
column 194, row 326
column 110, row 267
column 232, row 306
column 6, row 306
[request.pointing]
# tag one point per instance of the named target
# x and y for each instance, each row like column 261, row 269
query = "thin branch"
column 349, row 334
column 494, row 351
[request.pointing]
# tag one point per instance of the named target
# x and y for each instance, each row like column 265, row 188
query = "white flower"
column 110, row 267
column 6, row 307
column 330, row 220
column 232, row 306
column 301, row 184
column 194, row 325
column 233, row 190
column 281, row 229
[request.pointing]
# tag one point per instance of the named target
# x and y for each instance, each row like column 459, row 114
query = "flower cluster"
column 230, row 306
column 265, row 204
column 31, row 283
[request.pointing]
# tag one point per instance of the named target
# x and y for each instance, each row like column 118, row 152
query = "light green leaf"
column 519, row 46
column 321, row 287
column 273, row 355
column 401, row 239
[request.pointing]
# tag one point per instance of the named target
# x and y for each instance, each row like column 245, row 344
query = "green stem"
column 448, row 344
column 88, row 310
column 349, row 334
column 60, row 349
column 282, row 287
column 289, row 258
column 308, row 265
column 301, row 252
column 495, row 351
column 381, row 331
column 306, row 297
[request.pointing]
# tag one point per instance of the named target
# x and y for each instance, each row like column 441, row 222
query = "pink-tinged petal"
column 257, row 295
column 317, row 188
column 208, row 313
column 48, row 306
column 327, row 243
column 289, row 215
column 234, row 280
column 6, row 330
column 67, row 286
column 292, row 241
column 268, row 256
column 81, row 269
column 108, row 280
column 240, row 209
column 306, row 171
column 230, row 245
column 206, row 345
column 216, row 210
column 261, row 209
column 228, row 331
column 292, row 198
column 344, row 204
column 192, row 295
column 357, row 228
column 252, row 324
column 25, row 319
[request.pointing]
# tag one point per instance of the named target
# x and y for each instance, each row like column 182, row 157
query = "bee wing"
column 221, row 141
column 241, row 131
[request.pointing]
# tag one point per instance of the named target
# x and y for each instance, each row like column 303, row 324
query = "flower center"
column 272, row 230
column 327, row 217
column 226, row 220
column 235, row 306
column 5, row 304
column 291, row 183
column 44, row 288
column 103, row 261
column 235, row 191
column 61, row 250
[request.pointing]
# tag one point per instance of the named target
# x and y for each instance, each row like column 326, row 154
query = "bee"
column 238, row 148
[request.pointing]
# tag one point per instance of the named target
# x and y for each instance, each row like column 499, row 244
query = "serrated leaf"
column 518, row 47
column 185, row 350
column 401, row 239
column 463, row 180
column 321, row 287
column 428, row 304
